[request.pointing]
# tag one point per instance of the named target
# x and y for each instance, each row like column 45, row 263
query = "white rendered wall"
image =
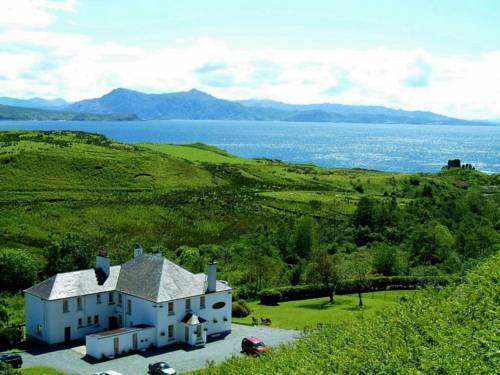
column 90, row 308
column 98, row 346
column 34, row 315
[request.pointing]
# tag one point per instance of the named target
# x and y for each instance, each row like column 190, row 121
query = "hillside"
column 30, row 114
column 38, row 103
column 194, row 104
column 197, row 105
column 452, row 331
column 57, row 183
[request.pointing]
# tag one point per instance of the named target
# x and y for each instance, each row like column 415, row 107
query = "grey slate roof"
column 149, row 276
column 152, row 277
column 76, row 283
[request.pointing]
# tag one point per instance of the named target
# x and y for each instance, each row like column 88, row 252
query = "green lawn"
column 308, row 313
column 40, row 370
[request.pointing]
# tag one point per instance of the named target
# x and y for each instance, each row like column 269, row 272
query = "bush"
column 18, row 270
column 240, row 309
column 10, row 337
column 299, row 292
column 270, row 297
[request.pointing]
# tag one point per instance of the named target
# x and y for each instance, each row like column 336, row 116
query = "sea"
column 384, row 147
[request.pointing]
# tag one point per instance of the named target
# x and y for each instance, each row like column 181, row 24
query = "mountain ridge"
column 198, row 105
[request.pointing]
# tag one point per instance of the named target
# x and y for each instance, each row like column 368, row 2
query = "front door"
column 116, row 345
column 67, row 334
column 112, row 322
column 186, row 334
column 134, row 341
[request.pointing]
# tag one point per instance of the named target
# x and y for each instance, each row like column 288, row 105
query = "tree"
column 431, row 243
column 327, row 269
column 358, row 266
column 365, row 213
column 18, row 270
column 388, row 260
column 305, row 237
column 190, row 258
column 74, row 252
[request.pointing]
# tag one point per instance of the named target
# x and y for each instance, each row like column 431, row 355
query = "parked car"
column 161, row 368
column 15, row 360
column 109, row 372
column 253, row 345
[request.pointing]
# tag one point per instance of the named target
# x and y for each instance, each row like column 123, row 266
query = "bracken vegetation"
column 448, row 331
column 66, row 195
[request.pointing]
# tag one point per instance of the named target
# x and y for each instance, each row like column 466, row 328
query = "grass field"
column 308, row 313
column 39, row 370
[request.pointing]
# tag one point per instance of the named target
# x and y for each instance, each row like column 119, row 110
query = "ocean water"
column 386, row 147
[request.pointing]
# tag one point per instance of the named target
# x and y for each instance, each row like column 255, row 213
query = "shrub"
column 240, row 309
column 10, row 337
column 270, row 296
column 18, row 270
column 292, row 293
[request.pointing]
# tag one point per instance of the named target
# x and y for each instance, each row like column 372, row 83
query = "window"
column 202, row 302
column 78, row 303
column 119, row 299
column 39, row 329
column 65, row 306
column 170, row 308
column 111, row 298
column 89, row 320
column 98, row 298
column 96, row 319
column 188, row 304
column 171, row 331
column 80, row 322
column 120, row 320
column 129, row 306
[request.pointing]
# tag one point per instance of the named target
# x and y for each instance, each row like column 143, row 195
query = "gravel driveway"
column 72, row 361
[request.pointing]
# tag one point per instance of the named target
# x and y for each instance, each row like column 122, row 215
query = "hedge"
column 291, row 293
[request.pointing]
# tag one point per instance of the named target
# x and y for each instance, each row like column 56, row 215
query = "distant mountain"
column 34, row 103
column 197, row 105
column 23, row 113
column 194, row 104
column 329, row 112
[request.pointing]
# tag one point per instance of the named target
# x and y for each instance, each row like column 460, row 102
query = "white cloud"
column 36, row 61
column 32, row 13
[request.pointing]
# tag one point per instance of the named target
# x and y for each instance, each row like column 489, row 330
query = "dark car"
column 15, row 360
column 253, row 345
column 161, row 368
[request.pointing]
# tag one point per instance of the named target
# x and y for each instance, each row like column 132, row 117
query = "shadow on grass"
column 324, row 305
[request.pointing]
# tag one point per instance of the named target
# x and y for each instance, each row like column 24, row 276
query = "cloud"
column 210, row 67
column 218, row 80
column 421, row 73
column 32, row 13
column 342, row 85
column 38, row 62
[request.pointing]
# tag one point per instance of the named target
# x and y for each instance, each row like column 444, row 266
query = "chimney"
column 211, row 276
column 102, row 262
column 138, row 250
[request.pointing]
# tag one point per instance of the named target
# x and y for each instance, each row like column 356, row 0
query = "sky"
column 436, row 55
